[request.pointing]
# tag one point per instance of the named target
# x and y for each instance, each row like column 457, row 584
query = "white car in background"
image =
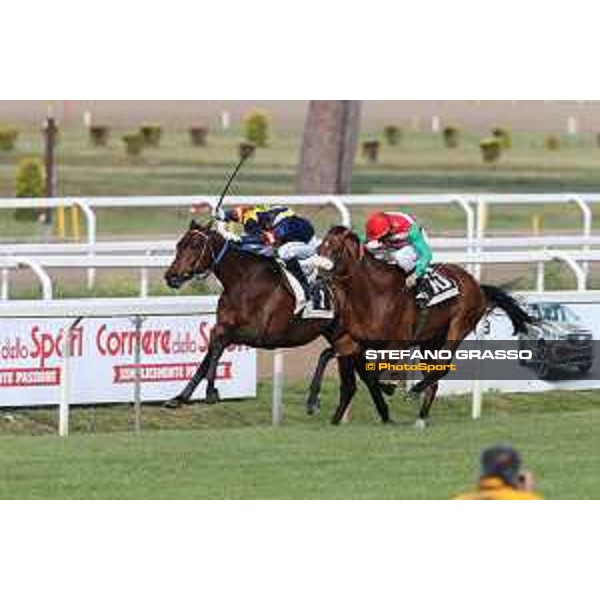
column 560, row 343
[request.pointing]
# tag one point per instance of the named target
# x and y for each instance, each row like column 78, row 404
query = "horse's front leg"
column 313, row 403
column 217, row 348
column 347, row 387
column 185, row 396
column 374, row 386
column 207, row 369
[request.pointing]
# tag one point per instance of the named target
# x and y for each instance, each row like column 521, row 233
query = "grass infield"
column 230, row 451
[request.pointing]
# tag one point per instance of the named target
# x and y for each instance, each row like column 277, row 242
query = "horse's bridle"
column 335, row 257
column 216, row 258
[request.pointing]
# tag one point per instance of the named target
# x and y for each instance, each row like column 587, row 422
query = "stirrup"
column 422, row 298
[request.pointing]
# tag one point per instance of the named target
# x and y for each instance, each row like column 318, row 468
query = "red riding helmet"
column 378, row 225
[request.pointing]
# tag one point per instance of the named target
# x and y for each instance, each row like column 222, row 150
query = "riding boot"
column 422, row 291
column 293, row 266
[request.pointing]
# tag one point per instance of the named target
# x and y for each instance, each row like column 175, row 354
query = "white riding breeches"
column 405, row 258
column 299, row 250
column 307, row 256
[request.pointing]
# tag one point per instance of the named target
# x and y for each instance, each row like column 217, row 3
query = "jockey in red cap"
column 396, row 236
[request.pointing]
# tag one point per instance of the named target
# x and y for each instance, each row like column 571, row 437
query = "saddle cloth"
column 305, row 309
column 441, row 287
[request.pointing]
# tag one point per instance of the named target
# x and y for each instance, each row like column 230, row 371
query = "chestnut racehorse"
column 256, row 308
column 374, row 306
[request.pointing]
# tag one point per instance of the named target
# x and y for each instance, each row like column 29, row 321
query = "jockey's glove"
column 224, row 231
column 411, row 281
column 373, row 245
column 321, row 262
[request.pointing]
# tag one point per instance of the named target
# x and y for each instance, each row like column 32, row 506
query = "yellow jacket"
column 493, row 488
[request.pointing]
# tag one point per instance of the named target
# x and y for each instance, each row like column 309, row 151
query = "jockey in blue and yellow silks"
column 292, row 237
column 281, row 221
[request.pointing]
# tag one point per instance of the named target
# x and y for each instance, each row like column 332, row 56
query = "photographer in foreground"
column 502, row 478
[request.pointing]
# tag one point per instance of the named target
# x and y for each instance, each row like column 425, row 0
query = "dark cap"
column 501, row 461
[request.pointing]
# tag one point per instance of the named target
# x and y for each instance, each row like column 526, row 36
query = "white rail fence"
column 474, row 207
column 39, row 264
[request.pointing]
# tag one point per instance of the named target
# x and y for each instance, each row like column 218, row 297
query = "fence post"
column 4, row 293
column 343, row 210
column 90, row 218
column 277, row 402
column 468, row 209
column 482, row 216
column 137, row 385
column 65, row 387
column 587, row 227
column 41, row 274
column 144, row 279
column 575, row 267
column 477, row 400
column 477, row 389
column 540, row 276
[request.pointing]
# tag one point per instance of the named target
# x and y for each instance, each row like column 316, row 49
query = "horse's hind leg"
column 347, row 387
column 428, row 399
column 429, row 384
column 313, row 403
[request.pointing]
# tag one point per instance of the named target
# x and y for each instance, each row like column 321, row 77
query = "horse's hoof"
column 421, row 424
column 313, row 407
column 212, row 397
column 173, row 403
column 388, row 388
column 389, row 422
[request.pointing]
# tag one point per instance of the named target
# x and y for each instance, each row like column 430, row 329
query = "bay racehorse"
column 256, row 308
column 374, row 306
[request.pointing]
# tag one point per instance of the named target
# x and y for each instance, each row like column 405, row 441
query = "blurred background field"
column 419, row 164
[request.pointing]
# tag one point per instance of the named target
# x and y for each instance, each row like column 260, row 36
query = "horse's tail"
column 497, row 297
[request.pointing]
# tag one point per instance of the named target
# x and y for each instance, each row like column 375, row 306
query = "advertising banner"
column 102, row 360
